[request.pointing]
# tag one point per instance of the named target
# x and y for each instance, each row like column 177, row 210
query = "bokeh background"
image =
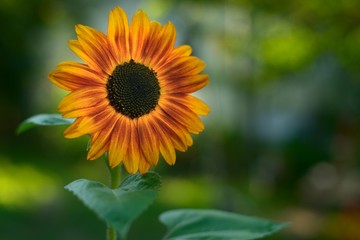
column 282, row 141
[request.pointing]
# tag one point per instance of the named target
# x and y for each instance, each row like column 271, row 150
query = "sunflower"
column 132, row 94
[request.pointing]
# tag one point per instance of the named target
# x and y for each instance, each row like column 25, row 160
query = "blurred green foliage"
column 282, row 140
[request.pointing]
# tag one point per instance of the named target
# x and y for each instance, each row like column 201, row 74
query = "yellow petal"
column 85, row 110
column 173, row 130
column 166, row 146
column 155, row 28
column 72, row 76
column 120, row 139
column 92, row 124
column 132, row 157
column 96, row 46
column 193, row 103
column 182, row 114
column 167, row 151
column 82, row 98
column 178, row 52
column 197, row 106
column 184, row 66
column 76, row 47
column 144, row 166
column 185, row 84
column 162, row 45
column 118, row 33
column 72, row 130
column 148, row 141
column 82, row 71
column 100, row 141
column 139, row 34
column 181, row 51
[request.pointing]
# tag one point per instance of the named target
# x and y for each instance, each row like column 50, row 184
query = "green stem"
column 115, row 176
column 110, row 233
column 115, row 179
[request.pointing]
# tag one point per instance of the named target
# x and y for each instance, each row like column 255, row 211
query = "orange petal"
column 82, row 71
column 100, row 141
column 193, row 103
column 72, row 130
column 162, row 45
column 92, row 124
column 76, row 47
column 118, row 34
column 178, row 52
column 120, row 139
column 180, row 67
column 72, row 75
column 86, row 110
column 148, row 141
column 96, row 46
column 187, row 84
column 182, row 114
column 174, row 130
column 84, row 97
column 197, row 106
column 189, row 140
column 132, row 157
column 64, row 81
column 144, row 166
column 139, row 34
column 181, row 51
column 166, row 146
column 74, row 79
column 155, row 28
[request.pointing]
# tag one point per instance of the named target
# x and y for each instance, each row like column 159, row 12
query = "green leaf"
column 118, row 207
column 215, row 225
column 43, row 120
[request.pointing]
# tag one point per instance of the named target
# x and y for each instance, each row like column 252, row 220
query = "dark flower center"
column 133, row 89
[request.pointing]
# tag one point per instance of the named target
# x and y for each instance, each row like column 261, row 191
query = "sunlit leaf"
column 43, row 120
column 215, row 225
column 118, row 207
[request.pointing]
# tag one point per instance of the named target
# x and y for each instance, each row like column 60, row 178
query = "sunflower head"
column 132, row 93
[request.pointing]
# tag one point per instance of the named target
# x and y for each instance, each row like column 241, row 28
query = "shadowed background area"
column 281, row 142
